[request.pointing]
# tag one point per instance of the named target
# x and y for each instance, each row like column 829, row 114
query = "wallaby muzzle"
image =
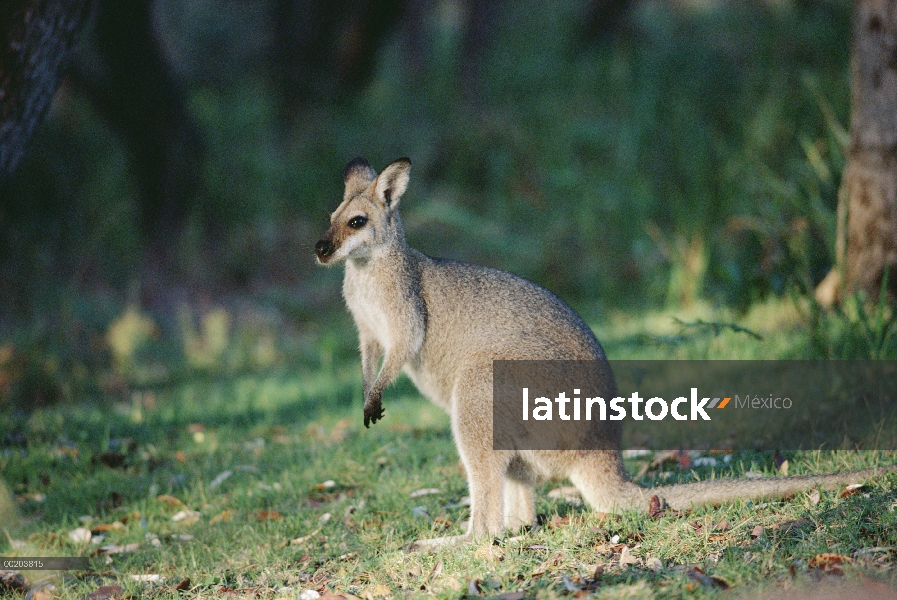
column 324, row 248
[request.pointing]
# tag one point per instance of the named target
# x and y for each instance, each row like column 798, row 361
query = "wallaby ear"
column 392, row 183
column 358, row 176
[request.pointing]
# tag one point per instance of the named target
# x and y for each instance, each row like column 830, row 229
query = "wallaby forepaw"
column 373, row 412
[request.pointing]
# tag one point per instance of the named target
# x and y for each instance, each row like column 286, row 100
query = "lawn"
column 265, row 484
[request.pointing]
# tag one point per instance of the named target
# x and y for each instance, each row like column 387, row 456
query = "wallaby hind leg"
column 520, row 505
column 600, row 478
column 485, row 467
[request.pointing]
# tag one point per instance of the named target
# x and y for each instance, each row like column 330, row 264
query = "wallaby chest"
column 373, row 296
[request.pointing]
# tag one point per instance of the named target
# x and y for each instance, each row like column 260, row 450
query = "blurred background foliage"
column 627, row 154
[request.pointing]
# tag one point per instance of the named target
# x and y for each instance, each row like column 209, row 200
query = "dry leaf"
column 170, row 501
column 148, row 578
column 104, row 592
column 326, row 485
column 851, row 489
column 654, row 563
column 814, row 497
column 490, row 553
column 107, row 527
column 381, row 590
column 268, row 515
column 80, row 535
column 655, row 508
column 183, row 585
column 423, row 492
column 219, row 479
column 829, row 563
column 558, row 521
column 626, row 557
column 224, row 515
column 304, row 538
column 757, row 531
column 186, row 517
column 442, row 521
column 435, row 572
column 118, row 548
column 10, row 581
column 783, row 468
column 709, row 581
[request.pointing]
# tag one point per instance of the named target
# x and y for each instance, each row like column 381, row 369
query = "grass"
column 292, row 492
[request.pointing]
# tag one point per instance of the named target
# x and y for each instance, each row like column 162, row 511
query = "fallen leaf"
column 789, row 525
column 654, row 563
column 111, row 459
column 757, row 531
column 783, row 468
column 708, row 581
column 829, row 563
column 435, row 572
column 326, row 485
column 186, row 517
column 183, row 585
column 814, row 497
column 381, row 590
column 304, row 538
column 268, row 515
column 106, row 591
column 558, row 521
column 80, row 535
column 423, row 492
column 850, row 490
column 224, row 515
column 490, row 553
column 442, row 521
column 655, row 509
column 10, row 581
column 107, row 527
column 626, row 557
column 118, row 548
column 148, row 578
column 170, row 501
column 219, row 479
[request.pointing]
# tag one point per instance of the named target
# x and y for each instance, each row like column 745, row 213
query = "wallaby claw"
column 373, row 412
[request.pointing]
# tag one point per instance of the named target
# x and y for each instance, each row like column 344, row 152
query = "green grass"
column 283, row 432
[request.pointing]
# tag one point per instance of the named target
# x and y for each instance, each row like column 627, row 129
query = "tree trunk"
column 867, row 229
column 36, row 39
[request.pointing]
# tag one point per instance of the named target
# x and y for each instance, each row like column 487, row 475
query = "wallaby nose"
column 323, row 248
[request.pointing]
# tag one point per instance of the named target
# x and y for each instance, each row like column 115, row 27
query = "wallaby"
column 444, row 322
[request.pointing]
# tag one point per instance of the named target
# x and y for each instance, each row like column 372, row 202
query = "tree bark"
column 867, row 214
column 36, row 40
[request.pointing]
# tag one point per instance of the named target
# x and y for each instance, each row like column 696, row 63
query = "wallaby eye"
column 357, row 222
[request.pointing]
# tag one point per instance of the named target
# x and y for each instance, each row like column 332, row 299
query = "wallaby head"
column 367, row 219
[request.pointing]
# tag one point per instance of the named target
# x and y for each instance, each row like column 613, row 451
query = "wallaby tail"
column 721, row 491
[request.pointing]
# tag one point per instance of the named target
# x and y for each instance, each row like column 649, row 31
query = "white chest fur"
column 366, row 300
